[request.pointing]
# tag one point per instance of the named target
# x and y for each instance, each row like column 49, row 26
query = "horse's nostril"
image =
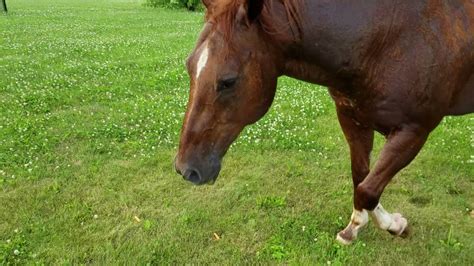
column 193, row 176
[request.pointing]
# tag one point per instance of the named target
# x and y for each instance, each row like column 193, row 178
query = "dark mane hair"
column 223, row 14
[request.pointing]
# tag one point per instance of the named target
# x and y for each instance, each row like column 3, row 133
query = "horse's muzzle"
column 207, row 175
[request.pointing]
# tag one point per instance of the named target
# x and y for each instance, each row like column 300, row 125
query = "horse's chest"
column 353, row 109
column 362, row 112
column 381, row 116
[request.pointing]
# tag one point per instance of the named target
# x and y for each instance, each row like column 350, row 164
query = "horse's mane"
column 224, row 13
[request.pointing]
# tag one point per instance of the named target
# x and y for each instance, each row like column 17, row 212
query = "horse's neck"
column 336, row 38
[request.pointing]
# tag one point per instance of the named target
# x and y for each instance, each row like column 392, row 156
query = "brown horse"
column 396, row 67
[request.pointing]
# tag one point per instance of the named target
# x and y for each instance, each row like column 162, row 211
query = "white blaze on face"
column 202, row 62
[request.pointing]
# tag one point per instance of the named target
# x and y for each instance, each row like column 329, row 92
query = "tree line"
column 191, row 5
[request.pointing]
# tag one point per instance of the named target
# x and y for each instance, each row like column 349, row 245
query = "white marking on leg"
column 358, row 220
column 202, row 62
column 394, row 223
column 382, row 218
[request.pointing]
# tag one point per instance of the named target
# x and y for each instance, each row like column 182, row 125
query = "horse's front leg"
column 360, row 140
column 400, row 149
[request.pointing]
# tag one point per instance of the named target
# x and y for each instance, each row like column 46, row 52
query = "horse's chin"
column 212, row 182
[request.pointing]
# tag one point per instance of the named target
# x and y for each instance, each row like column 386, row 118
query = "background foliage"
column 188, row 4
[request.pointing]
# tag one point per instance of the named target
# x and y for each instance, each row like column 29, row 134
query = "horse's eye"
column 226, row 84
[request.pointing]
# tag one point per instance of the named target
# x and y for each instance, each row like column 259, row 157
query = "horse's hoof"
column 399, row 225
column 406, row 232
column 345, row 237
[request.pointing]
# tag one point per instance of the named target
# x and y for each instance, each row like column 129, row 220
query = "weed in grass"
column 275, row 249
column 450, row 242
column 271, row 202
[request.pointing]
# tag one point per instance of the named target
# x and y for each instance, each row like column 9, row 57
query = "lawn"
column 92, row 96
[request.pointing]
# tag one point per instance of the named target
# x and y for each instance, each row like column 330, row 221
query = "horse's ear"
column 207, row 3
column 254, row 9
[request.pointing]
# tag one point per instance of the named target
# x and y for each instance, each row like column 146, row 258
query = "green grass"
column 92, row 95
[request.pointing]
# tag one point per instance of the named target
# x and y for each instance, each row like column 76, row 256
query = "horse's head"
column 233, row 72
